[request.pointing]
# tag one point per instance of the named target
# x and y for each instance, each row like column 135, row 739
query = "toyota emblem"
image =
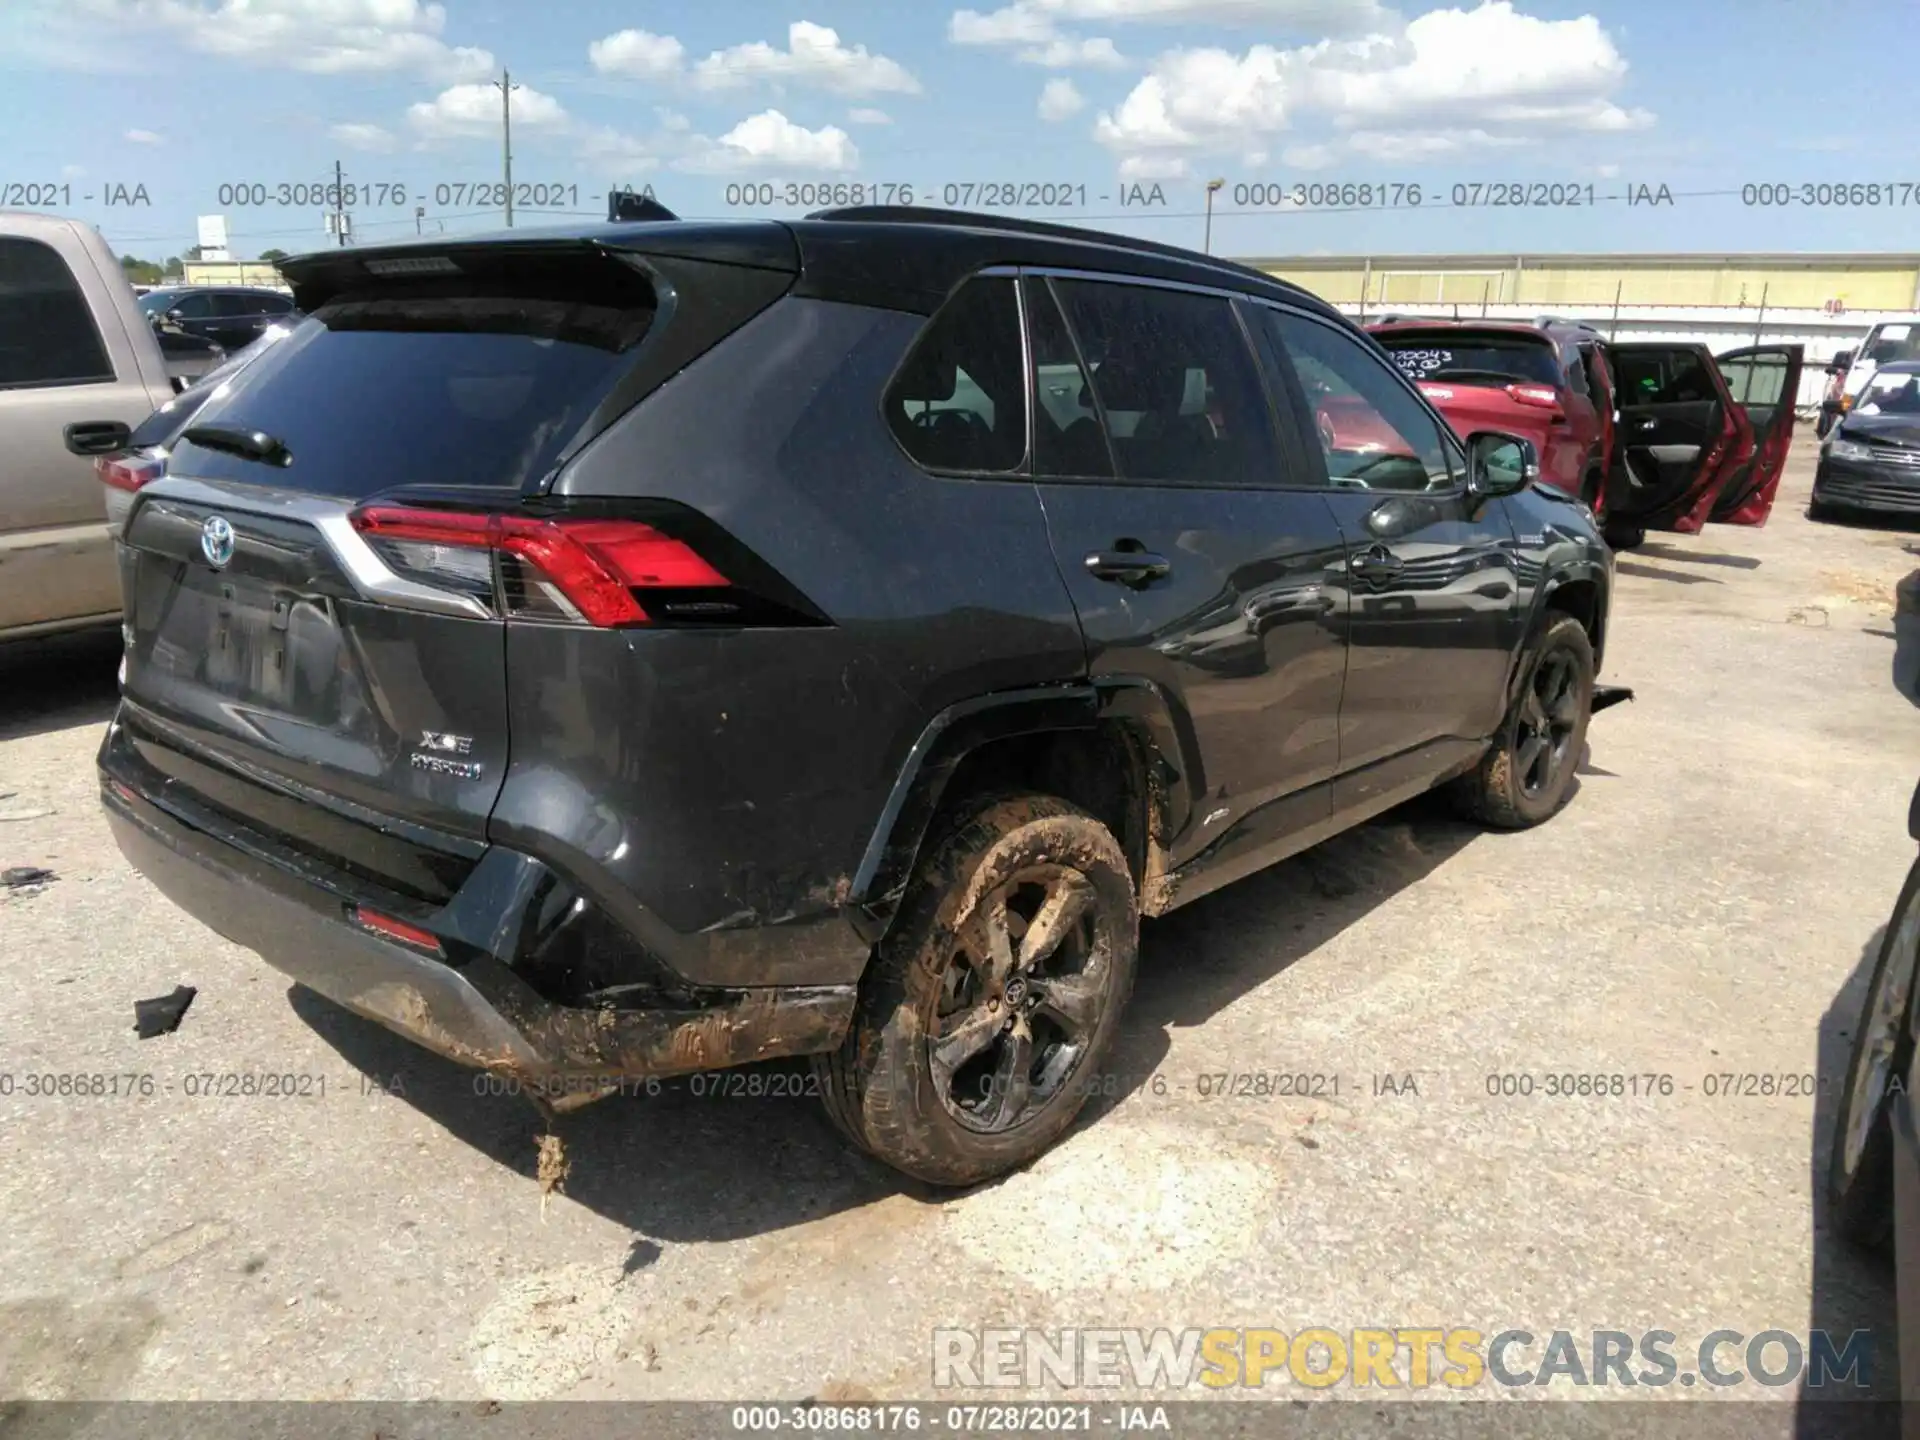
column 216, row 540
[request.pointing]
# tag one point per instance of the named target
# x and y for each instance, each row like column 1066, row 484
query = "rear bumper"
column 1860, row 487
column 473, row 1009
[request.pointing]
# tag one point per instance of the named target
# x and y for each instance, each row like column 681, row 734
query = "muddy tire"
column 1860, row 1164
column 1528, row 773
column 993, row 999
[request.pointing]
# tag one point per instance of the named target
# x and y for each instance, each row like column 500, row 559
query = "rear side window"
column 1176, row 386
column 480, row 380
column 1755, row 380
column 47, row 334
column 1067, row 438
column 1466, row 357
column 957, row 401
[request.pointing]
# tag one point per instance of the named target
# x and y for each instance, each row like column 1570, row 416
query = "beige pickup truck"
column 79, row 368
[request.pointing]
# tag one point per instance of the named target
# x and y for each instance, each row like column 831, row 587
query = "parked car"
column 627, row 689
column 1891, row 342
column 1870, row 463
column 1701, row 437
column 1547, row 381
column 78, row 369
column 188, row 356
column 1873, row 1166
column 144, row 459
column 231, row 316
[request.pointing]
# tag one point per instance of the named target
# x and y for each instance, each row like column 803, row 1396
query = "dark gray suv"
column 657, row 647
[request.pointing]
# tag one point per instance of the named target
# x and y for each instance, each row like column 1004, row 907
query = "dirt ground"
column 1704, row 907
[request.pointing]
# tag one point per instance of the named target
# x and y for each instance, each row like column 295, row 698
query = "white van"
column 1886, row 342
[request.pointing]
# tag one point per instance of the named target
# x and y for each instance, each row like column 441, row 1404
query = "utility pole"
column 1206, row 244
column 338, row 222
column 506, row 87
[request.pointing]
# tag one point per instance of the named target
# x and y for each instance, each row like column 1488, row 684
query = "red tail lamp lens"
column 595, row 564
column 392, row 929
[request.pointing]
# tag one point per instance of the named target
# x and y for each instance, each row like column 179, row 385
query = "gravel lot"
column 1704, row 906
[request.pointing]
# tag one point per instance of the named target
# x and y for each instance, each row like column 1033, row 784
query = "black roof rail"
column 978, row 220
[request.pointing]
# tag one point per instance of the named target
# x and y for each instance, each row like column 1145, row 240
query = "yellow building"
column 232, row 272
column 1858, row 282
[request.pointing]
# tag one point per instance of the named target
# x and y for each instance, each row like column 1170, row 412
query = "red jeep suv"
column 1547, row 381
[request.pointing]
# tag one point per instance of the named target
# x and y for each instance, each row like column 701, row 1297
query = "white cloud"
column 328, row 37
column 145, row 137
column 473, row 110
column 770, row 141
column 866, row 115
column 1308, row 157
column 1058, row 100
column 1154, row 167
column 1451, row 80
column 358, row 136
column 814, row 56
column 1322, row 17
column 639, row 53
column 72, row 172
column 1067, row 51
column 1041, row 42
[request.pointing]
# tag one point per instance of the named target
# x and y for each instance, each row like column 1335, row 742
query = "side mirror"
column 1840, row 362
column 1500, row 464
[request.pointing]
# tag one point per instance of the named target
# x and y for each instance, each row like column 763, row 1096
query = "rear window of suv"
column 1468, row 357
column 469, row 381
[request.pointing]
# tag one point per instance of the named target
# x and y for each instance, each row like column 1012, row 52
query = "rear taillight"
column 1544, row 397
column 579, row 570
column 130, row 471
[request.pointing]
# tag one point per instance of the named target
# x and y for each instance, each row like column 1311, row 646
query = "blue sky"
column 713, row 104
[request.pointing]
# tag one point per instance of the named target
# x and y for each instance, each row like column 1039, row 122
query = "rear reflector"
column 580, row 570
column 392, row 929
column 130, row 471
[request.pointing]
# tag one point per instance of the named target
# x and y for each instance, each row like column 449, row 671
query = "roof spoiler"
column 629, row 205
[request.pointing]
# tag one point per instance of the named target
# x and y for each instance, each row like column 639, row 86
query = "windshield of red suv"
column 1474, row 358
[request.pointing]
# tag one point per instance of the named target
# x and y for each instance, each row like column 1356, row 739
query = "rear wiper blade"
column 248, row 444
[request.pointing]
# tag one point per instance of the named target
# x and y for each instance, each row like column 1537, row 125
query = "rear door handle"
column 1137, row 568
column 1376, row 562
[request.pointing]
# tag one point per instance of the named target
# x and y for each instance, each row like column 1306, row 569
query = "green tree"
column 273, row 257
column 140, row 272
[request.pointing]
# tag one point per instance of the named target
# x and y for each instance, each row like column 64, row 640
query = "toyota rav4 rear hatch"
column 317, row 594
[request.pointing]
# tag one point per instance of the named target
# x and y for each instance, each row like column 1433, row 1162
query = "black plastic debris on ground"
column 161, row 1016
column 21, row 876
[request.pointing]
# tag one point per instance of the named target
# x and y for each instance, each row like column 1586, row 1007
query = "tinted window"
column 1374, row 434
column 956, row 403
column 1175, row 383
column 47, row 334
column 1067, row 439
column 1466, row 357
column 1574, row 365
column 478, row 381
column 195, row 306
column 230, row 304
column 272, row 304
column 1662, row 377
column 1756, row 380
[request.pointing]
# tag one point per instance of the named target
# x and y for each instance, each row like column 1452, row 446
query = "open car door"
column 1764, row 381
column 1679, row 437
